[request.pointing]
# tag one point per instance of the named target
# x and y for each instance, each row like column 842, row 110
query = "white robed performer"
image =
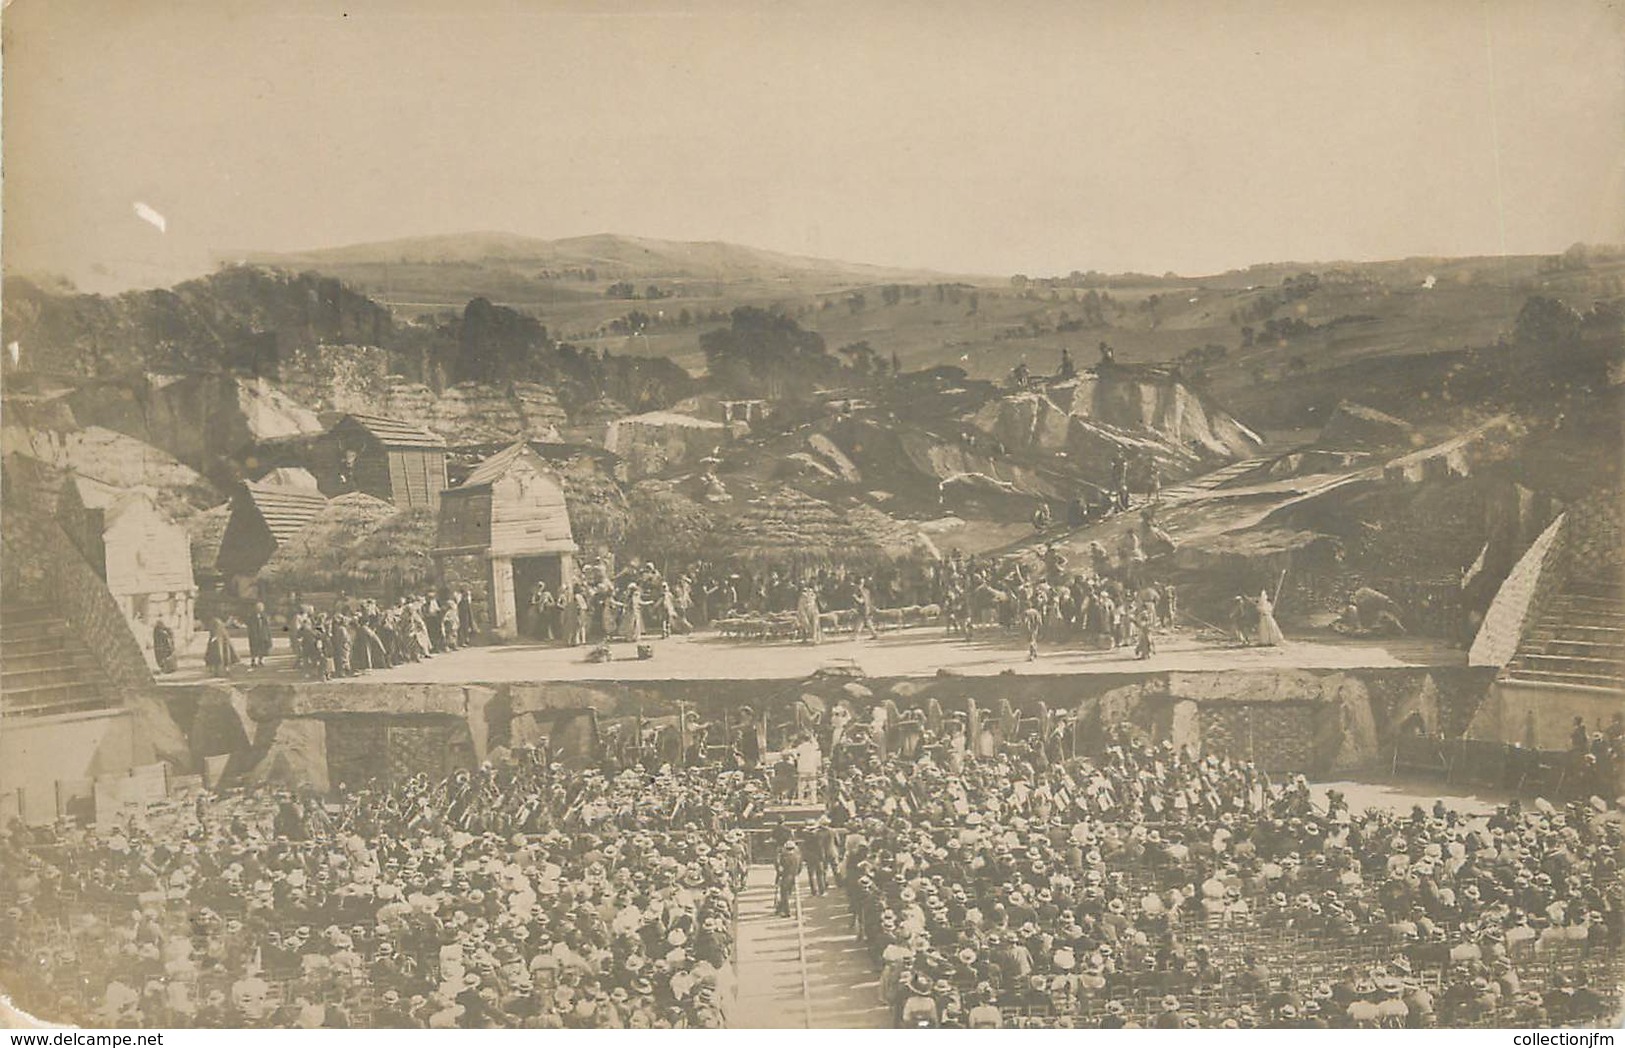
column 1269, row 631
column 807, row 615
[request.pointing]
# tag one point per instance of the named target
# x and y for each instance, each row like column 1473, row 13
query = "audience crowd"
column 518, row 896
column 1157, row 889
column 995, row 878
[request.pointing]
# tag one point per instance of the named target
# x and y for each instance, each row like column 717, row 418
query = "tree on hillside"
column 765, row 352
column 1546, row 323
column 494, row 344
column 862, row 358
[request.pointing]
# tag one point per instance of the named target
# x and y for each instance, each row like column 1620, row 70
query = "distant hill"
column 518, row 267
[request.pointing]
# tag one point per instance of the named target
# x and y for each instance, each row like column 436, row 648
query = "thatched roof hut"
column 897, row 539
column 396, row 556
column 666, row 523
column 317, row 556
column 790, row 527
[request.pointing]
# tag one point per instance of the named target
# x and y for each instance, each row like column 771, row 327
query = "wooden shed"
column 145, row 558
column 262, row 518
column 511, row 513
column 383, row 457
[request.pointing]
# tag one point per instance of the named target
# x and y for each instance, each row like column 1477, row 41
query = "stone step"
column 1590, row 680
column 1595, row 588
column 27, row 646
column 54, row 658
column 1577, row 649
column 1581, row 620
column 14, row 679
column 19, row 613
column 1589, row 603
column 27, row 690
column 32, row 630
column 1578, row 629
column 40, row 701
column 1571, row 664
column 79, row 703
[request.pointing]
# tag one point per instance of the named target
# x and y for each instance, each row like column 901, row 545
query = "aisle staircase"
column 805, row 971
column 44, row 666
column 1579, row 640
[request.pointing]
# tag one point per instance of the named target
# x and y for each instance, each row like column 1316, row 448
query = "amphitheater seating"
column 44, row 666
column 1578, row 640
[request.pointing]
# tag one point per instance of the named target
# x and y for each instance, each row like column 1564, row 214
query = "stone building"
column 144, row 557
column 655, row 441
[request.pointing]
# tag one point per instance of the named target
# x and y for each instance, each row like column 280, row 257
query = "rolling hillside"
column 426, row 273
column 1261, row 325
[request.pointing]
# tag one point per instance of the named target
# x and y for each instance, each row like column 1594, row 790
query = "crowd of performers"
column 514, row 896
column 1110, row 602
column 355, row 636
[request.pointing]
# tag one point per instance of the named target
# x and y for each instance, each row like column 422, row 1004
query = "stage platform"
column 1314, row 705
column 914, row 653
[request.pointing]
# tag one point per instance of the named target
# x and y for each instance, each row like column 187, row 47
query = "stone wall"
column 1320, row 722
column 1518, row 600
column 1540, row 716
column 395, row 748
column 40, row 755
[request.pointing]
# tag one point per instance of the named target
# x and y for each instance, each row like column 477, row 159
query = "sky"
column 146, row 139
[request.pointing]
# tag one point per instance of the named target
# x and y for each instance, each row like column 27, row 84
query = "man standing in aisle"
column 787, row 867
column 819, row 853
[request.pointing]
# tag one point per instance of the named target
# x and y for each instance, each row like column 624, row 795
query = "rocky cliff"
column 1094, row 417
column 198, row 418
column 336, row 378
column 934, row 473
column 1137, row 399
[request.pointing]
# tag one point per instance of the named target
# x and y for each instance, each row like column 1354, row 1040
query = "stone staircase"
column 45, row 668
column 1578, row 640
